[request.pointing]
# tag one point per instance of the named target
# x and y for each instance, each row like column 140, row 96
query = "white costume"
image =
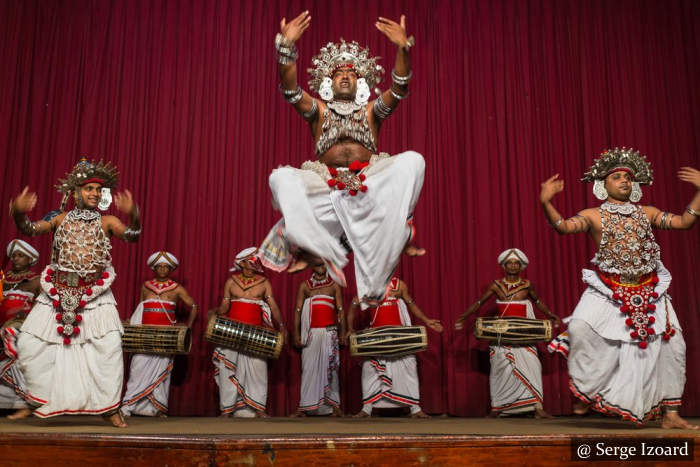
column 320, row 359
column 627, row 353
column 242, row 378
column 12, row 384
column 70, row 345
column 515, row 378
column 148, row 387
column 390, row 382
column 376, row 224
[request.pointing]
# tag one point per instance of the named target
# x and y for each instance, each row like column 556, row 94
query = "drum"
column 247, row 338
column 158, row 340
column 15, row 322
column 388, row 341
column 518, row 331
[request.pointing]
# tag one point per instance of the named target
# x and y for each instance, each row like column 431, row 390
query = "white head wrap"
column 249, row 254
column 513, row 253
column 162, row 257
column 23, row 247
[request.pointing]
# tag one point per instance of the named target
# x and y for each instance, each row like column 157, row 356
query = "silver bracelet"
column 398, row 96
column 692, row 211
column 556, row 224
column 286, row 50
column 381, row 110
column 401, row 80
column 294, row 97
column 312, row 111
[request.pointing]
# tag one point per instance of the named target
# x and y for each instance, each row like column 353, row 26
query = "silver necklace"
column 344, row 108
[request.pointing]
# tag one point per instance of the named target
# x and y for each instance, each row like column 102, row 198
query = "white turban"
column 22, row 247
column 513, row 253
column 249, row 254
column 162, row 257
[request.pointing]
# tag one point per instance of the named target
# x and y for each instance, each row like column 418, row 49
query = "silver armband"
column 286, row 50
column 292, row 95
column 692, row 211
column 312, row 111
column 401, row 80
column 131, row 235
column 398, row 96
column 381, row 110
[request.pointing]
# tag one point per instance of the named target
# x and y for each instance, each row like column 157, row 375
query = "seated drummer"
column 149, row 375
column 516, row 372
column 242, row 378
column 391, row 382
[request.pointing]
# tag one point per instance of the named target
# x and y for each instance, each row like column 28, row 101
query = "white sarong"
column 391, row 382
column 84, row 377
column 148, row 387
column 515, row 379
column 376, row 224
column 320, row 360
column 12, row 384
column 607, row 367
column 242, row 378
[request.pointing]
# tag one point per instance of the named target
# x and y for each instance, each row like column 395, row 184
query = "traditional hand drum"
column 246, row 338
column 388, row 341
column 15, row 322
column 158, row 340
column 521, row 331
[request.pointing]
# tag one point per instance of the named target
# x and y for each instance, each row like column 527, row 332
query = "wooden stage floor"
column 313, row 441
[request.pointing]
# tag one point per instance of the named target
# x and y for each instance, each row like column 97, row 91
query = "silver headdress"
column 86, row 172
column 620, row 159
column 333, row 56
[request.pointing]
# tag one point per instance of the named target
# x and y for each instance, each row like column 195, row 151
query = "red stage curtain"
column 183, row 97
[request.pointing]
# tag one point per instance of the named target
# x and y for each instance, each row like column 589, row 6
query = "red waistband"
column 158, row 313
column 512, row 309
column 322, row 312
column 11, row 305
column 245, row 312
column 386, row 314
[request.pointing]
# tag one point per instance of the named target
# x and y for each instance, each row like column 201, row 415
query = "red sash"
column 12, row 304
column 245, row 312
column 322, row 312
column 387, row 314
column 518, row 310
column 158, row 313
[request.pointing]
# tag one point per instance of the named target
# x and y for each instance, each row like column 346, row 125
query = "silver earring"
column 599, row 190
column 636, row 194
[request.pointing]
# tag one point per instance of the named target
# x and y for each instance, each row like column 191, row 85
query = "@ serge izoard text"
column 622, row 449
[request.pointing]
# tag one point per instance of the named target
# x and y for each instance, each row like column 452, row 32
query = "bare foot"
column 580, row 408
column 261, row 414
column 298, row 414
column 361, row 414
column 492, row 414
column 540, row 413
column 412, row 250
column 116, row 419
column 21, row 413
column 337, row 412
column 673, row 420
column 420, row 414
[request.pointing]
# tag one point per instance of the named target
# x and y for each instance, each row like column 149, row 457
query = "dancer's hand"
column 394, row 31
column 293, row 30
column 555, row 321
column 434, row 324
column 459, row 324
column 297, row 342
column 551, row 187
column 25, row 201
column 690, row 175
column 346, row 335
column 124, row 202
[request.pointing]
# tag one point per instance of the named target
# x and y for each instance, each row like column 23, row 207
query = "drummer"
column 20, row 286
column 391, row 382
column 516, row 372
column 242, row 378
column 149, row 375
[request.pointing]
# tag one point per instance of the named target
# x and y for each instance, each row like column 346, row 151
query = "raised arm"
column 540, row 305
column 488, row 293
column 125, row 203
column 670, row 221
column 296, row 331
column 21, row 205
column 415, row 310
column 287, row 55
column 188, row 301
column 401, row 75
column 581, row 222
